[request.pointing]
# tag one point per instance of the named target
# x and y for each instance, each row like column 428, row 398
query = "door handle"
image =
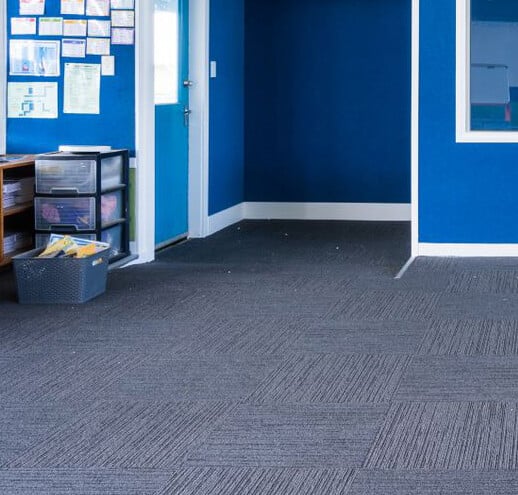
column 186, row 116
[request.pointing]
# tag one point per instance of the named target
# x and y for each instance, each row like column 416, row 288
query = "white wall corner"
column 225, row 218
column 468, row 250
column 199, row 101
column 145, row 133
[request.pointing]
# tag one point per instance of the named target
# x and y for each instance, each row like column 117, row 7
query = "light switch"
column 213, row 69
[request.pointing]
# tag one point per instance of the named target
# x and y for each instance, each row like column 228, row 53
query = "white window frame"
column 463, row 98
column 3, row 77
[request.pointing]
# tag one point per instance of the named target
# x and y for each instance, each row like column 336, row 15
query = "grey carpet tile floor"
column 362, row 337
column 373, row 482
column 449, row 436
column 377, row 304
column 59, row 376
column 471, row 338
column 169, row 377
column 478, row 305
column 81, row 481
column 274, row 358
column 217, row 481
column 461, row 378
column 25, row 425
column 126, row 435
column 291, row 435
column 334, row 379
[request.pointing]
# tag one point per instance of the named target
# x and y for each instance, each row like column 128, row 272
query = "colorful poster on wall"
column 32, row 7
column 32, row 100
column 82, row 88
column 73, row 7
column 34, row 58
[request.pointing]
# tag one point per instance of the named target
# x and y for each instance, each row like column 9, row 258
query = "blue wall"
column 115, row 125
column 328, row 100
column 226, row 148
column 467, row 191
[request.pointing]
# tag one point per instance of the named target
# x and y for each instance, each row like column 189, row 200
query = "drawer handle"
column 63, row 227
column 65, row 189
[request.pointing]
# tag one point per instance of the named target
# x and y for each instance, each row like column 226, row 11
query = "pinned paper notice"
column 123, row 18
column 108, row 65
column 32, row 7
column 98, row 46
column 34, row 58
column 99, row 8
column 99, row 29
column 123, row 4
column 73, row 48
column 74, row 27
column 73, row 7
column 123, row 36
column 23, row 25
column 82, row 88
column 51, row 26
column 32, row 100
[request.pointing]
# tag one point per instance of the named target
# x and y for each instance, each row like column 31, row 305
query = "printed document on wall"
column 73, row 48
column 51, row 26
column 32, row 7
column 32, row 100
column 34, row 58
column 123, row 4
column 99, row 8
column 73, row 7
column 82, row 88
column 23, row 25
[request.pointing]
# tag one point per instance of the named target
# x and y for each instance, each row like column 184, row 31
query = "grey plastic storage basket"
column 59, row 280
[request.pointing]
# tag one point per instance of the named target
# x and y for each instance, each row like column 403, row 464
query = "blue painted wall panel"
column 226, row 148
column 467, row 191
column 115, row 125
column 328, row 101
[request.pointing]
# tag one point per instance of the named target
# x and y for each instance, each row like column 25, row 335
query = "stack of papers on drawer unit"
column 26, row 192
column 10, row 190
column 13, row 241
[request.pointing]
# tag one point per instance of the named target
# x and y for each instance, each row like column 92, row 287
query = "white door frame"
column 198, row 191
column 414, row 168
column 3, row 76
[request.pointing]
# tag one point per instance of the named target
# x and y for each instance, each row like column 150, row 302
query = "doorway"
column 172, row 115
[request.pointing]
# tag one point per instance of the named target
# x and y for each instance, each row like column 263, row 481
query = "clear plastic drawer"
column 113, row 236
column 111, row 172
column 75, row 214
column 65, row 176
column 112, row 207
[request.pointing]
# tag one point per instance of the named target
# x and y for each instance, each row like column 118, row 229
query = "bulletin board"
column 45, row 130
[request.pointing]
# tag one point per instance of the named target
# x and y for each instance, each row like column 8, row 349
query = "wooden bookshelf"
column 20, row 216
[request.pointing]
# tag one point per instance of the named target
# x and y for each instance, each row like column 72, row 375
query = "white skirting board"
column 225, row 218
column 309, row 211
column 468, row 250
